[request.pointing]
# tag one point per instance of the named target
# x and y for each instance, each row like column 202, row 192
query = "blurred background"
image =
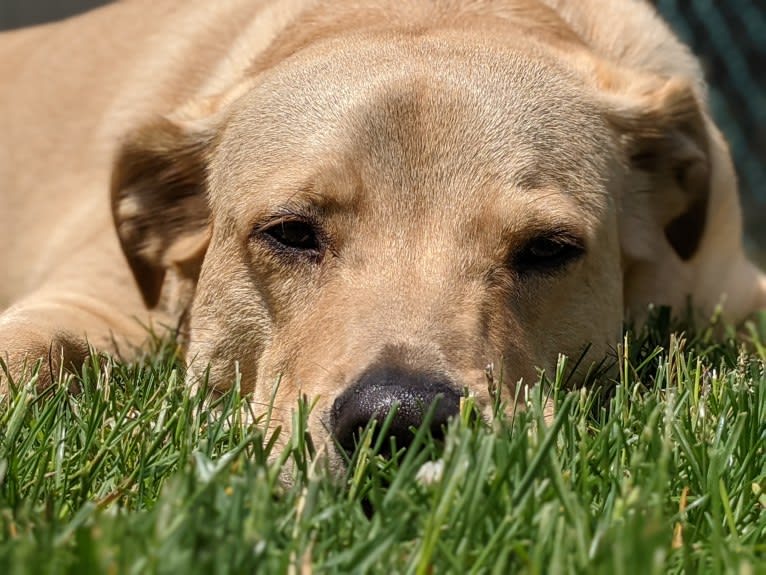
column 729, row 37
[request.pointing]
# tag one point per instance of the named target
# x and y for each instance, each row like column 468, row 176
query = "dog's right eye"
column 293, row 235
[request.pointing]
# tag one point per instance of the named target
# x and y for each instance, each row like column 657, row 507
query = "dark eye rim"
column 268, row 234
column 548, row 253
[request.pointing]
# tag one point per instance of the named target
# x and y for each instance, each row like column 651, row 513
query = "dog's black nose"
column 381, row 389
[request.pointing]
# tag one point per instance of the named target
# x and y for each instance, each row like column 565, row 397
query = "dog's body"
column 379, row 195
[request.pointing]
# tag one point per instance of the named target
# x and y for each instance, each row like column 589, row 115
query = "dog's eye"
column 548, row 253
column 296, row 235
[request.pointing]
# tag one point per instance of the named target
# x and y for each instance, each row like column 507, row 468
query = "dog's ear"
column 159, row 202
column 662, row 131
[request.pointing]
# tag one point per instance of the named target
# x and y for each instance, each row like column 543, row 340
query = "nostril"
column 401, row 396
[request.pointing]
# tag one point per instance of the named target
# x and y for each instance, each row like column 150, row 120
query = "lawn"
column 659, row 468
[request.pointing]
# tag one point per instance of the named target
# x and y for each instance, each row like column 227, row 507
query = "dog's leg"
column 88, row 300
column 30, row 340
column 56, row 329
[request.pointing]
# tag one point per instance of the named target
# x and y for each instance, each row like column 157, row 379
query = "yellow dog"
column 367, row 201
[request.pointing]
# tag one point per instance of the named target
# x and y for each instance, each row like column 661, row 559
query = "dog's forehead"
column 432, row 116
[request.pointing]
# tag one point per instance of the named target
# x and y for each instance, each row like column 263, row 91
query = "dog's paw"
column 29, row 355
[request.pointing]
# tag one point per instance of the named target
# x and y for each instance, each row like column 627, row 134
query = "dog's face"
column 387, row 218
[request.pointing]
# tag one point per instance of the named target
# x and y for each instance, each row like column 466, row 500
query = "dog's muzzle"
column 381, row 389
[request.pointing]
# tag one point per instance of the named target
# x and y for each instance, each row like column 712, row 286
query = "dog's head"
column 375, row 217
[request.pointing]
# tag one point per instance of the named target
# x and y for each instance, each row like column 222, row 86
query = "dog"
column 365, row 203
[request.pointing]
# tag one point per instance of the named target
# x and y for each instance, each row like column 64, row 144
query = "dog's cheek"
column 579, row 314
column 229, row 327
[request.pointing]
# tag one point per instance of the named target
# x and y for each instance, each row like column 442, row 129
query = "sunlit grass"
column 660, row 469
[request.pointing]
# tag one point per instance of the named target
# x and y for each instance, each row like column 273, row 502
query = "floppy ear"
column 159, row 202
column 662, row 131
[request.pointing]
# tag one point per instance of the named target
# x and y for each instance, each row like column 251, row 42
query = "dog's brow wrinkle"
column 307, row 202
column 307, row 194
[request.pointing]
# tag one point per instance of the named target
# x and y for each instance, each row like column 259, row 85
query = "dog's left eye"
column 548, row 253
column 294, row 235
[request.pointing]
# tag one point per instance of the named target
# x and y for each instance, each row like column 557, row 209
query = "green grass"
column 662, row 469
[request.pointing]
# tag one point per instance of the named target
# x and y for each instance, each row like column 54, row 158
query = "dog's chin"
column 325, row 462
